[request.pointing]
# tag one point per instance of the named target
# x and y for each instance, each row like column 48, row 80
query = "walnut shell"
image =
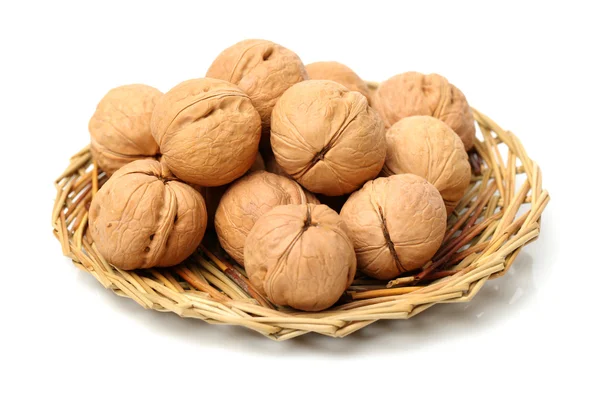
column 262, row 69
column 300, row 256
column 208, row 131
column 120, row 127
column 248, row 199
column 327, row 138
column 143, row 217
column 396, row 224
column 338, row 72
column 427, row 147
column 413, row 93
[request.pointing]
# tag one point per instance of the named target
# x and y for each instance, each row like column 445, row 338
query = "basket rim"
column 210, row 288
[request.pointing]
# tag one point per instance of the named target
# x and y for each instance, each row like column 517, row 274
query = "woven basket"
column 497, row 217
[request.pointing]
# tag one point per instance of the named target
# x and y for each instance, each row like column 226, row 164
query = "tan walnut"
column 208, row 131
column 327, row 138
column 396, row 224
column 413, row 93
column 340, row 73
column 120, row 127
column 246, row 200
column 143, row 217
column 262, row 69
column 427, row 147
column 300, row 256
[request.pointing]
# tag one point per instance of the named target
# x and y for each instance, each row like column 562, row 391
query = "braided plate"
column 497, row 217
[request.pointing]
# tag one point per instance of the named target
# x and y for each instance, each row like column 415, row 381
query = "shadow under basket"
column 499, row 214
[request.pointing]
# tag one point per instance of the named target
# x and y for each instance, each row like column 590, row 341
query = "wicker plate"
column 486, row 232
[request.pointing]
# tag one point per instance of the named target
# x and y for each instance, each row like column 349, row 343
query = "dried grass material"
column 483, row 238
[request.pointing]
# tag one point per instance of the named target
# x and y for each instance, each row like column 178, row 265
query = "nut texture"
column 248, row 199
column 327, row 138
column 208, row 131
column 338, row 72
column 396, row 224
column 120, row 127
column 300, row 256
column 262, row 69
column 142, row 217
column 413, row 93
column 427, row 147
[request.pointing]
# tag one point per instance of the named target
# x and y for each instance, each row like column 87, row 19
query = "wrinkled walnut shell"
column 427, row 147
column 248, row 199
column 262, row 69
column 120, row 127
column 300, row 256
column 327, row 138
column 413, row 93
column 208, row 131
column 338, row 72
column 142, row 217
column 396, row 224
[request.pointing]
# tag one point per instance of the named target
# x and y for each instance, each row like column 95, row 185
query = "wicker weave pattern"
column 486, row 232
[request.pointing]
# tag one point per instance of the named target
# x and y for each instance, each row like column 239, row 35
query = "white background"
column 532, row 68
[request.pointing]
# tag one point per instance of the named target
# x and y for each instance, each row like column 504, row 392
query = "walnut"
column 262, row 69
column 396, row 224
column 327, row 138
column 427, row 147
column 413, row 93
column 144, row 217
column 245, row 201
column 300, row 256
column 120, row 127
column 337, row 72
column 208, row 131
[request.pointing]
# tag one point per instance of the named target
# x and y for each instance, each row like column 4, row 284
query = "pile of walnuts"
column 305, row 173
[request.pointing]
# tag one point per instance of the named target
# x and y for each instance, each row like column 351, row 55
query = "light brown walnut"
column 120, row 127
column 246, row 200
column 262, row 69
column 143, row 217
column 340, row 73
column 208, row 131
column 327, row 138
column 413, row 93
column 427, row 147
column 396, row 224
column 300, row 256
